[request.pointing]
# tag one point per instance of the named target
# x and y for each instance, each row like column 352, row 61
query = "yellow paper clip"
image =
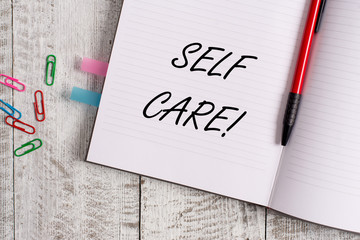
column 33, row 147
column 52, row 74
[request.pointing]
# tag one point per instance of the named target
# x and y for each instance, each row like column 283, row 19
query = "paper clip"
column 11, row 108
column 33, row 147
column 37, row 112
column 17, row 127
column 6, row 83
column 48, row 63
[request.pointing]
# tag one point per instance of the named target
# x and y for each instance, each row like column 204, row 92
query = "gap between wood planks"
column 13, row 102
column 139, row 207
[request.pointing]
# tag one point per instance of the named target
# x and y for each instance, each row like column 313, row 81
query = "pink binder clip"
column 6, row 83
column 36, row 106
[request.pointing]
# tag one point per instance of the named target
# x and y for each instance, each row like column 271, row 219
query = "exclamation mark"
column 234, row 123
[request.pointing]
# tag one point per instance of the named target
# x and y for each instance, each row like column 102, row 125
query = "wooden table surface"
column 53, row 193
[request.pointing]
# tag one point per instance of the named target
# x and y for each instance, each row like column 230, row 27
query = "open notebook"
column 195, row 94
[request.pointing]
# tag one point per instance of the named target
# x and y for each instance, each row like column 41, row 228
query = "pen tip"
column 286, row 134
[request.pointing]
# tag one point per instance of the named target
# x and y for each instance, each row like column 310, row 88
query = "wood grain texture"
column 170, row 211
column 57, row 194
column 280, row 226
column 52, row 193
column 6, row 132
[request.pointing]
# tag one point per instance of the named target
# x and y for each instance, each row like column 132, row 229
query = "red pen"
column 312, row 26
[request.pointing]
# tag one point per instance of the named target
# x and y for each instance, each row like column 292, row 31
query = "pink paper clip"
column 36, row 105
column 6, row 83
column 17, row 127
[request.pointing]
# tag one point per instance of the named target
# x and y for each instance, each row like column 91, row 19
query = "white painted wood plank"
column 170, row 211
column 57, row 194
column 280, row 226
column 6, row 132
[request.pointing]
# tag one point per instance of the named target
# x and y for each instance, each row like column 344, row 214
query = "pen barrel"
column 305, row 47
column 292, row 108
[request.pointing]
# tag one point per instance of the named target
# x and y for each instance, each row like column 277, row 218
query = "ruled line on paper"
column 324, row 164
column 326, row 142
column 319, row 86
column 257, row 137
column 248, row 97
column 132, row 113
column 258, row 122
column 336, row 157
column 213, row 85
column 240, row 133
column 321, row 126
column 240, row 158
column 244, row 129
column 231, row 23
column 339, row 177
column 263, row 79
column 336, row 114
column 285, row 63
column 316, row 103
column 270, row 53
column 322, row 181
column 325, row 119
column 337, row 54
column 329, row 135
column 317, row 185
column 257, row 117
column 112, row 131
column 255, row 9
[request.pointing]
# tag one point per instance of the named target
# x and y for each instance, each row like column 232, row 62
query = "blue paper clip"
column 11, row 108
column 33, row 147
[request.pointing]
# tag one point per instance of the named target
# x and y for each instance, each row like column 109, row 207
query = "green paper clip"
column 28, row 144
column 48, row 63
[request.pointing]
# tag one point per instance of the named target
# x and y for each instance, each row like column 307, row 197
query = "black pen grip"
column 292, row 108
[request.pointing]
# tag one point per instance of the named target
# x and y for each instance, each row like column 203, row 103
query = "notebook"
column 195, row 95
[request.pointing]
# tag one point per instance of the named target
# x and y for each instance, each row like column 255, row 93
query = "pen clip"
column 320, row 15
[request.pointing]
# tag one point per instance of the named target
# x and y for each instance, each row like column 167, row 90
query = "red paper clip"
column 17, row 127
column 37, row 113
column 12, row 85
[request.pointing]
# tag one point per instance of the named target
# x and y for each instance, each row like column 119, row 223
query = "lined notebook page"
column 240, row 159
column 320, row 175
